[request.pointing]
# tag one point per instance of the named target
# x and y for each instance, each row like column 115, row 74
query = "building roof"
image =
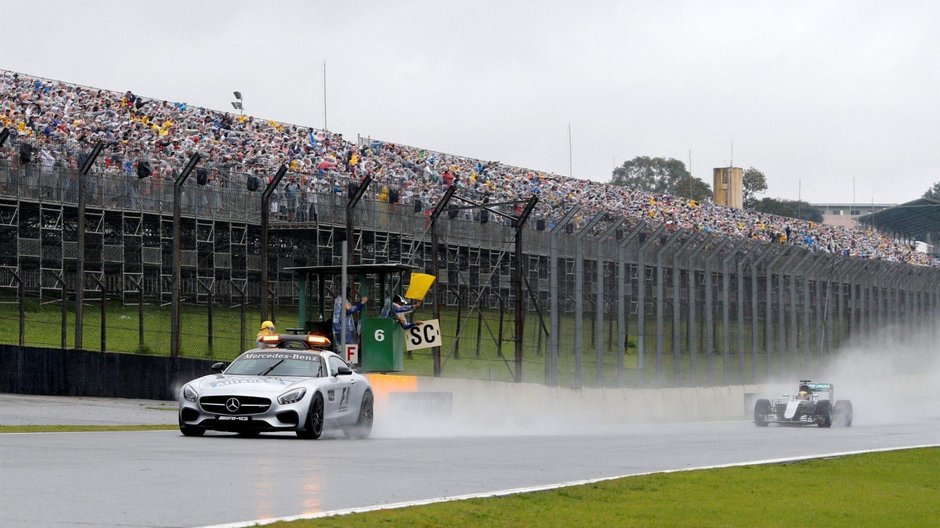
column 915, row 220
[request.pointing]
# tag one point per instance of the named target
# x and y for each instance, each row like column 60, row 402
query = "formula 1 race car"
column 813, row 404
column 288, row 383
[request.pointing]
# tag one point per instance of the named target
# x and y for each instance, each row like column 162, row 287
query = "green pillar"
column 302, row 301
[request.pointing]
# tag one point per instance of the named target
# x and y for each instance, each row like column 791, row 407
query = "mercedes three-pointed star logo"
column 232, row 404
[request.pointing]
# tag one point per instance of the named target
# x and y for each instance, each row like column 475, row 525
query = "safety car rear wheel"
column 314, row 426
column 761, row 410
column 363, row 427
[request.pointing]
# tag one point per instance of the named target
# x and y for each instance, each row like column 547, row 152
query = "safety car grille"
column 234, row 404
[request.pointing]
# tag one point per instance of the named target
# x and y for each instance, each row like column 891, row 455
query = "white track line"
column 546, row 487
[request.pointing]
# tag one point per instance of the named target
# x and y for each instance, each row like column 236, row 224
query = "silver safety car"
column 288, row 383
column 813, row 404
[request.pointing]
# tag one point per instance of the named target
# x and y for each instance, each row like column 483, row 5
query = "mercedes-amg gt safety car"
column 813, row 404
column 286, row 384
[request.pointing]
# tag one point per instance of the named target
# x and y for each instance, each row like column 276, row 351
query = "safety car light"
column 318, row 340
column 271, row 339
column 189, row 394
column 293, row 396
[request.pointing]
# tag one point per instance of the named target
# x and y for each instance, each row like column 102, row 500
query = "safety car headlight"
column 293, row 396
column 189, row 394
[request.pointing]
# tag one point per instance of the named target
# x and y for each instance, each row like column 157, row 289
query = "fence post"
column 769, row 307
column 436, row 268
column 104, row 320
column 710, row 310
column 622, row 276
column 140, row 313
column 739, row 315
column 177, row 220
column 780, row 328
column 551, row 359
column 517, row 286
column 209, row 291
column 641, row 303
column 825, row 338
column 80, row 245
column 579, row 294
column 807, row 307
column 21, row 309
column 599, row 300
column 755, row 309
column 693, row 308
column 692, row 239
column 60, row 280
column 660, row 293
column 726, row 312
column 795, row 330
column 265, row 243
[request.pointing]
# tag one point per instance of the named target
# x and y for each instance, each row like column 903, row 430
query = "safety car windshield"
column 276, row 364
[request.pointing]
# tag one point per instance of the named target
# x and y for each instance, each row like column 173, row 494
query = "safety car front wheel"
column 190, row 430
column 314, row 426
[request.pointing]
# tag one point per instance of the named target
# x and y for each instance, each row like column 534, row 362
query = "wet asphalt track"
column 163, row 479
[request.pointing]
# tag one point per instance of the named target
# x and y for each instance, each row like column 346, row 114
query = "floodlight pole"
column 177, row 220
column 265, row 239
column 435, row 252
column 350, row 209
column 80, row 244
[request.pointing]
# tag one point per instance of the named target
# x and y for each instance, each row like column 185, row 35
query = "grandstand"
column 48, row 115
column 721, row 281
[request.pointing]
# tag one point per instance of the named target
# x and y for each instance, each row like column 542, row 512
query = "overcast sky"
column 814, row 94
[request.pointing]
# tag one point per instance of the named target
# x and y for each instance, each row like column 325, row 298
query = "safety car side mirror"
column 218, row 366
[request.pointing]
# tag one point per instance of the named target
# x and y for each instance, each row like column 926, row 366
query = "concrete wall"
column 56, row 372
column 487, row 404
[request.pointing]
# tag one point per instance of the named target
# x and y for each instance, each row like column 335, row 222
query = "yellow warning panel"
column 383, row 384
column 419, row 286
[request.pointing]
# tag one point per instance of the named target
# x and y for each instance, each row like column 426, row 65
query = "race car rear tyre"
column 842, row 413
column 363, row 427
column 824, row 413
column 314, row 426
column 189, row 430
column 761, row 410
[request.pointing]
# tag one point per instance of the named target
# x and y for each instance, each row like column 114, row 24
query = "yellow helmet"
column 804, row 394
column 267, row 325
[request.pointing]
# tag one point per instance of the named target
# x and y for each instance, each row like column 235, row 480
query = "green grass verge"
column 82, row 428
column 896, row 488
column 474, row 358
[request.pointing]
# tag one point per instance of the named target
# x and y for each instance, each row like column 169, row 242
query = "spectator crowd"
column 52, row 123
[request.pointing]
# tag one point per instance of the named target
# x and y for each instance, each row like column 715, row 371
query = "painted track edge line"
column 547, row 487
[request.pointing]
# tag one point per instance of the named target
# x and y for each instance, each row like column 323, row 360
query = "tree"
column 933, row 193
column 754, row 183
column 660, row 176
column 789, row 208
